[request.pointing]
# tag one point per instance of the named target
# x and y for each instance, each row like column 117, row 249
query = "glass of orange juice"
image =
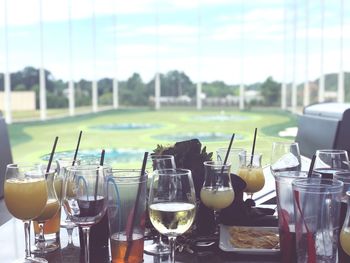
column 23, row 183
column 250, row 170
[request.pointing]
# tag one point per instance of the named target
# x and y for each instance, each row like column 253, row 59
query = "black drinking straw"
column 102, row 158
column 253, row 148
column 309, row 174
column 51, row 156
column 229, row 148
column 129, row 235
column 77, row 148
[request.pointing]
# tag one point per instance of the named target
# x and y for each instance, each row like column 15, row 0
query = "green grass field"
column 31, row 140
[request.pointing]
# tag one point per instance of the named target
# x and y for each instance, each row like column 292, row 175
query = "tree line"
column 134, row 91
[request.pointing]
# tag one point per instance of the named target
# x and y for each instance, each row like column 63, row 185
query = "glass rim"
column 323, row 186
column 348, row 193
column 250, row 154
column 331, row 151
column 289, row 174
column 177, row 172
column 87, row 167
column 161, row 156
column 127, row 170
column 342, row 174
column 216, row 164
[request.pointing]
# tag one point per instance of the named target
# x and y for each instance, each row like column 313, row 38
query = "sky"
column 230, row 40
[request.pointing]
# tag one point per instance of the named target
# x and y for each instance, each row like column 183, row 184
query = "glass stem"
column 27, row 238
column 160, row 241
column 172, row 249
column 86, row 233
column 216, row 221
column 70, row 238
column 41, row 237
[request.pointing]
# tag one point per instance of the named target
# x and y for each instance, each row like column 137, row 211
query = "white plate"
column 226, row 245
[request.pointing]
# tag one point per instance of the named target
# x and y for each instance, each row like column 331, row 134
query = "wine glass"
column 62, row 164
column 85, row 198
column 172, row 203
column 50, row 210
column 159, row 162
column 285, row 156
column 217, row 192
column 328, row 162
column 25, row 191
column 251, row 172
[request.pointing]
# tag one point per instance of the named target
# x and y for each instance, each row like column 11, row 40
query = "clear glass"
column 127, row 221
column 251, row 172
column 23, row 183
column 51, row 209
column 172, row 203
column 233, row 157
column 158, row 162
column 345, row 231
column 85, row 198
column 328, row 162
column 285, row 156
column 217, row 192
column 62, row 164
column 317, row 210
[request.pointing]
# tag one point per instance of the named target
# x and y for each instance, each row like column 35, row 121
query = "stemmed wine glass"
column 159, row 162
column 172, row 203
column 25, row 183
column 85, row 198
column 217, row 192
column 50, row 210
column 62, row 164
column 328, row 162
column 285, row 156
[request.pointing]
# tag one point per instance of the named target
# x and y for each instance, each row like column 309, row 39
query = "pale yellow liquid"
column 254, row 178
column 49, row 211
column 25, row 198
column 217, row 198
column 172, row 219
column 345, row 240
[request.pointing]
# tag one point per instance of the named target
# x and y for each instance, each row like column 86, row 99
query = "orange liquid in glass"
column 119, row 246
column 51, row 226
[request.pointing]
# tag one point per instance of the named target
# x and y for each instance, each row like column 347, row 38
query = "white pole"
column 284, row 84
column 322, row 79
column 115, row 80
column 241, row 87
column 7, row 80
column 294, row 85
column 157, row 88
column 199, row 58
column 306, row 99
column 71, row 93
column 42, row 82
column 341, row 91
column 94, row 81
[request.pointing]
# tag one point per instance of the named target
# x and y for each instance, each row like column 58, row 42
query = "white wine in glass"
column 172, row 203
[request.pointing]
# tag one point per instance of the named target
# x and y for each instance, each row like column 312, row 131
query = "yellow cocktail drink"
column 254, row 178
column 345, row 240
column 49, row 211
column 217, row 198
column 25, row 198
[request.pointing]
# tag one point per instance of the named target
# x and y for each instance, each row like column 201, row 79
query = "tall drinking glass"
column 217, row 191
column 85, row 198
column 285, row 156
column 172, row 203
column 328, row 162
column 159, row 162
column 23, row 183
column 51, row 209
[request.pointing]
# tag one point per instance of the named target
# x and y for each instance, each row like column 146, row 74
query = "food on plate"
column 247, row 237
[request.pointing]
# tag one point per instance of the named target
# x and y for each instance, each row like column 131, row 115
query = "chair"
column 5, row 154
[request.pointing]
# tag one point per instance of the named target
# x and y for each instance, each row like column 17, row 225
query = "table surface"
column 12, row 242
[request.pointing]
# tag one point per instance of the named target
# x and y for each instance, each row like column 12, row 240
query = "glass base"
column 44, row 247
column 31, row 260
column 157, row 249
